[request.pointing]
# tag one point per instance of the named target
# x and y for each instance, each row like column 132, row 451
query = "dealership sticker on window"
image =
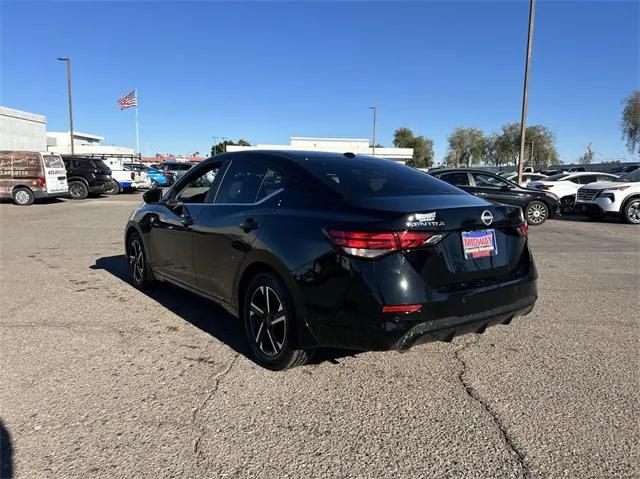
column 478, row 244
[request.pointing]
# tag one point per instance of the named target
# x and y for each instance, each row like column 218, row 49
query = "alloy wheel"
column 75, row 190
column 633, row 212
column 22, row 197
column 536, row 213
column 136, row 260
column 568, row 205
column 267, row 320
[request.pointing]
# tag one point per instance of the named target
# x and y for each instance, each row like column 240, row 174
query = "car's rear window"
column 557, row 177
column 369, row 177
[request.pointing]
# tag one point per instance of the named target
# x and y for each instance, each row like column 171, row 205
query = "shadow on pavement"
column 202, row 313
column 6, row 453
column 587, row 219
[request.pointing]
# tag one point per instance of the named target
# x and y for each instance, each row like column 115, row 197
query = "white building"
column 359, row 146
column 21, row 130
column 83, row 143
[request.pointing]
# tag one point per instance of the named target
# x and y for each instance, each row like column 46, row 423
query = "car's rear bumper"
column 456, row 313
column 98, row 186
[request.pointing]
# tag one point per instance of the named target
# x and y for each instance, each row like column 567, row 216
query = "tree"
column 631, row 122
column 587, row 158
column 466, row 146
column 422, row 147
column 222, row 146
column 504, row 147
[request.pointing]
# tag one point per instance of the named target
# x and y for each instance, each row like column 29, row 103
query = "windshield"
column 628, row 177
column 557, row 177
column 368, row 177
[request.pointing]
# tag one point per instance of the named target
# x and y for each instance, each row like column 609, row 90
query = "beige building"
column 83, row 143
column 359, row 146
column 22, row 130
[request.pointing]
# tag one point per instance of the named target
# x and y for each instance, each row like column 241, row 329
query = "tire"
column 536, row 213
column 631, row 211
column 23, row 196
column 141, row 274
column 568, row 205
column 112, row 188
column 78, row 190
column 270, row 326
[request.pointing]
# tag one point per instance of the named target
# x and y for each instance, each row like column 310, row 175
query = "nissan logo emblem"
column 486, row 217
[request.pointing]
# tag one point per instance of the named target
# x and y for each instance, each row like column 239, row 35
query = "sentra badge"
column 423, row 219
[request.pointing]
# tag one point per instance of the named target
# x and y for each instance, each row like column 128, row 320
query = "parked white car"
column 121, row 179
column 566, row 185
column 617, row 197
column 526, row 178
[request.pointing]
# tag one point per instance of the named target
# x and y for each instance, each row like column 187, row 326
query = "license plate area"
column 479, row 244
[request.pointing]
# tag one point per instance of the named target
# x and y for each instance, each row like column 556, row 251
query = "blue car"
column 157, row 177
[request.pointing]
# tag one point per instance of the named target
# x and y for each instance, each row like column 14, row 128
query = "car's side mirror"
column 152, row 196
column 505, row 187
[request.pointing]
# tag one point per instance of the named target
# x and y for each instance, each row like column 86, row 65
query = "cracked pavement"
column 100, row 380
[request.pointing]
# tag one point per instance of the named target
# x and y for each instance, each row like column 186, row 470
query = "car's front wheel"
column 137, row 259
column 631, row 211
column 270, row 320
column 568, row 205
column 536, row 213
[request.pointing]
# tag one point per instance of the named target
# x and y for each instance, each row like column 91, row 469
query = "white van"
column 27, row 175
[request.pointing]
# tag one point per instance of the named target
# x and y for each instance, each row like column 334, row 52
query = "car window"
column 487, row 181
column 632, row 176
column 241, row 183
column 356, row 178
column 459, row 178
column 197, row 189
column 586, row 179
column 604, row 178
column 557, row 177
column 574, row 179
column 272, row 182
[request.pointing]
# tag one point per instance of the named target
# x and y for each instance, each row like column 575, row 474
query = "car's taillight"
column 402, row 308
column 133, row 175
column 545, row 187
column 373, row 244
column 523, row 229
column 42, row 181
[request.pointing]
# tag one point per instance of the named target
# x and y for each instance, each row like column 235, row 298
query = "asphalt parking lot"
column 99, row 379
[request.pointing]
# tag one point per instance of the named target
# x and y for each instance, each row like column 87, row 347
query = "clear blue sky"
column 267, row 71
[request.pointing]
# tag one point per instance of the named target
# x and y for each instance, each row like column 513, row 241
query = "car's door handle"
column 249, row 225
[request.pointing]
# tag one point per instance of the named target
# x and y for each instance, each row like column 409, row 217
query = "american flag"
column 128, row 101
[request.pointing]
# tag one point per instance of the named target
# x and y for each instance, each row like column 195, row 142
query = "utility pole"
column 374, row 129
column 525, row 93
column 68, row 60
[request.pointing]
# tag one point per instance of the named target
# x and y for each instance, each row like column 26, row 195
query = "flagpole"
column 137, row 134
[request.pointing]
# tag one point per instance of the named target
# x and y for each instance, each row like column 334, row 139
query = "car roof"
column 470, row 170
column 289, row 156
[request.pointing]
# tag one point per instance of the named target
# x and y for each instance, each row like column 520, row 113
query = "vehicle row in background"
column 616, row 197
column 565, row 186
column 537, row 205
column 27, row 175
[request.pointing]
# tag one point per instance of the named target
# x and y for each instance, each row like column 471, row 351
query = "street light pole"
column 68, row 60
column 525, row 93
column 374, row 129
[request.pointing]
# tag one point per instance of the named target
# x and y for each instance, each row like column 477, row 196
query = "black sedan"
column 537, row 205
column 327, row 250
